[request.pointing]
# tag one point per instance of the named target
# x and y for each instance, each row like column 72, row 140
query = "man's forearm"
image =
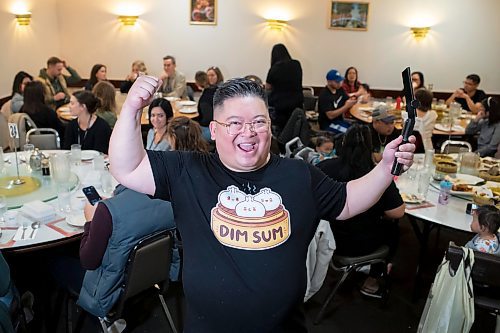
column 364, row 192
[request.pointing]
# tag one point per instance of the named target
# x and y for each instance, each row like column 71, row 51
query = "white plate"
column 468, row 193
column 461, row 178
column 187, row 103
column 172, row 98
column 64, row 109
column 76, row 220
column 188, row 110
column 412, row 198
column 454, row 128
column 88, row 155
column 366, row 108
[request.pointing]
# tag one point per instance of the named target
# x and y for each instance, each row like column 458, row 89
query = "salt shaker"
column 444, row 192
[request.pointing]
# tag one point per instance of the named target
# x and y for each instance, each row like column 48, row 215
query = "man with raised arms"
column 246, row 216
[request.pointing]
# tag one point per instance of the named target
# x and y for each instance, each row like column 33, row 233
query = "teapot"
column 36, row 160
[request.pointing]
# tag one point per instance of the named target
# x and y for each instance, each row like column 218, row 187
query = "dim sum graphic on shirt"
column 250, row 222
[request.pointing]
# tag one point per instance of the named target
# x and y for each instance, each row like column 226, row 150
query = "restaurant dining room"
column 363, row 196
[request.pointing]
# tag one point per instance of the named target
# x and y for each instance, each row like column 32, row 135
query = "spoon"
column 24, row 230
column 34, row 226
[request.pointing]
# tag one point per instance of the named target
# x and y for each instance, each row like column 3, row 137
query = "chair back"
column 303, row 153
column 309, row 99
column 44, row 138
column 148, row 264
column 4, row 133
column 485, row 273
column 6, row 110
column 23, row 122
column 292, row 146
column 452, row 146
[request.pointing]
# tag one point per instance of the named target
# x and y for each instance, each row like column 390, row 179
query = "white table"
column 58, row 231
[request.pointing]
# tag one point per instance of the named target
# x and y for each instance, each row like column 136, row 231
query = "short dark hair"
column 164, row 105
column 424, row 96
column 488, row 217
column 238, row 88
column 492, row 106
column 53, row 61
column 323, row 139
column 169, row 57
column 474, row 78
column 88, row 99
column 201, row 78
column 18, row 79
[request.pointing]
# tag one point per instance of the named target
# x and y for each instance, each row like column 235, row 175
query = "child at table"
column 485, row 222
column 324, row 150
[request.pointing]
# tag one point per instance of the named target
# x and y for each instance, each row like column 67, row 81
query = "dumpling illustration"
column 268, row 198
column 231, row 197
column 250, row 208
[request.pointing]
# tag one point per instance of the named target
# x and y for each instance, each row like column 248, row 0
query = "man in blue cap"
column 333, row 103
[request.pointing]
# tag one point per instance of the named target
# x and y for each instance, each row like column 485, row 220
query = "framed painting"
column 348, row 15
column 203, row 12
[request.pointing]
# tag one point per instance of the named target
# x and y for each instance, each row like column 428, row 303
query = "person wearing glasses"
column 246, row 216
column 469, row 97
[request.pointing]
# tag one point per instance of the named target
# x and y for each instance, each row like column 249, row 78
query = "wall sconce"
column 128, row 20
column 419, row 32
column 23, row 19
column 276, row 24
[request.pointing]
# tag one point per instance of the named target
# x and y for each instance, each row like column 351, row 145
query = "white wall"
column 463, row 39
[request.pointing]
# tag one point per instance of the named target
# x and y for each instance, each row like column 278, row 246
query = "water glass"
column 59, row 164
column 1, row 158
column 470, row 163
column 28, row 150
column 76, row 153
column 429, row 156
column 99, row 162
column 107, row 183
column 3, row 207
column 424, row 179
column 412, row 172
column 64, row 198
column 388, row 101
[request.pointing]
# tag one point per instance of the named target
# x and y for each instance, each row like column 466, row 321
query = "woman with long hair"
column 106, row 93
column 35, row 107
column 87, row 129
column 214, row 75
column 185, row 134
column 351, row 82
column 417, row 80
column 363, row 234
column 284, row 83
column 160, row 112
column 97, row 74
column 487, row 124
column 20, row 81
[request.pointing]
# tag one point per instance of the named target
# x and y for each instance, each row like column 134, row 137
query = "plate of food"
column 366, row 108
column 172, row 98
column 88, row 155
column 462, row 189
column 187, row 103
column 188, row 110
column 462, row 178
column 412, row 198
column 446, row 128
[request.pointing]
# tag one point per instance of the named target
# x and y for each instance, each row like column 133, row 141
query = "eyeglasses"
column 237, row 127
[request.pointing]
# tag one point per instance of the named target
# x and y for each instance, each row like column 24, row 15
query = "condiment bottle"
column 45, row 167
column 398, row 103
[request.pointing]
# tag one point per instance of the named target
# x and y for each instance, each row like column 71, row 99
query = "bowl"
column 482, row 200
column 442, row 157
column 446, row 166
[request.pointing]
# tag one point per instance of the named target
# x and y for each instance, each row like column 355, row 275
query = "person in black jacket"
column 284, row 85
column 205, row 103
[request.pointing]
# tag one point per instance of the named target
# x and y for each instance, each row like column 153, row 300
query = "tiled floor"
column 350, row 311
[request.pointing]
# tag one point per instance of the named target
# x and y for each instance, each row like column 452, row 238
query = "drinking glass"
column 388, row 101
column 76, row 154
column 28, row 150
column 64, row 198
column 1, row 158
column 99, row 162
column 106, row 182
column 59, row 163
column 424, row 179
column 3, row 207
column 429, row 156
column 470, row 163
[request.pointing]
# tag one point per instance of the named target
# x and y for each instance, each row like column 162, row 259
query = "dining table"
column 62, row 199
column 363, row 113
column 180, row 108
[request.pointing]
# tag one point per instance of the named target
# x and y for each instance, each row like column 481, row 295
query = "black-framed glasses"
column 236, row 127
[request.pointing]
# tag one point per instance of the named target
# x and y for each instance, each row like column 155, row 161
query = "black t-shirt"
column 328, row 101
column 95, row 138
column 45, row 117
column 479, row 95
column 379, row 141
column 245, row 237
column 206, row 106
column 286, row 95
column 363, row 227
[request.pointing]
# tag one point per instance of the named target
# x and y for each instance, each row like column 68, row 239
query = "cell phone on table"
column 471, row 207
column 91, row 194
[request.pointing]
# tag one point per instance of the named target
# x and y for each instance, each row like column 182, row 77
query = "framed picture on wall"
column 203, row 12
column 348, row 15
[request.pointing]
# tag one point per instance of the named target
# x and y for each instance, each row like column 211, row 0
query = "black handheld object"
column 411, row 109
column 91, row 194
column 470, row 208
